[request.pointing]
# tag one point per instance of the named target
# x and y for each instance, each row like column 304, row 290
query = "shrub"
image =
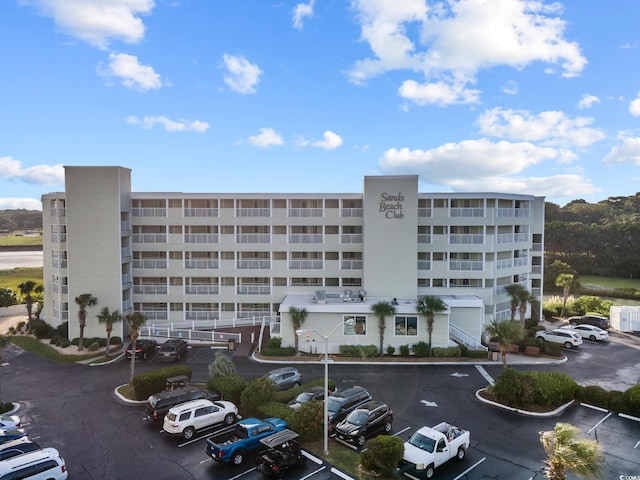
column 552, row 388
column 447, row 352
column 20, row 325
column 42, row 329
column 391, row 350
column 360, row 351
column 421, row 349
column 115, row 341
column 275, row 342
column 230, row 387
column 631, row 399
column 616, row 401
column 76, row 341
column 64, row 343
column 513, row 388
column 404, row 350
column 307, row 421
column 54, row 340
column 146, row 384
column 94, row 347
column 6, row 407
column 279, row 352
column 62, row 330
column 383, row 454
column 256, row 393
column 593, row 395
column 476, row 354
column 552, row 349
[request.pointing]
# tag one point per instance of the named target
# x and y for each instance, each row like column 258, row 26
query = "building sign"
column 391, row 205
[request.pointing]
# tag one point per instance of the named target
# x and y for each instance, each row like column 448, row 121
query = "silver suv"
column 285, row 377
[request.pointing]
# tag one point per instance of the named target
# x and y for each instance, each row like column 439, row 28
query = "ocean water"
column 13, row 259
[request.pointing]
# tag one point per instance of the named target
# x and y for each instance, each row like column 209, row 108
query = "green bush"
column 513, row 389
column 447, row 352
column 42, row 329
column 54, row 340
column 552, row 349
column 256, row 393
column 275, row 409
column 631, row 399
column 76, row 341
column 552, row 389
column 359, row 351
column 279, row 352
column 275, row 342
column 404, row 350
column 62, row 330
column 307, row 421
column 115, row 341
column 593, row 395
column 476, row 354
column 230, row 387
column 93, row 347
column 616, row 402
column 383, row 454
column 391, row 350
column 6, row 407
column 421, row 349
column 64, row 343
column 146, row 384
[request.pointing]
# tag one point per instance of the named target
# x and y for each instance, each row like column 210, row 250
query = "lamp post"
column 326, row 375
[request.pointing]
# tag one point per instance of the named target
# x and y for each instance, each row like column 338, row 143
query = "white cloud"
column 97, row 21
column 266, row 138
column 11, row 169
column 549, row 128
column 169, row 125
column 330, row 141
column 634, row 106
column 510, row 88
column 587, row 101
column 20, row 203
column 482, row 165
column 439, row 93
column 628, row 151
column 300, row 12
column 451, row 41
column 131, row 72
column 242, row 76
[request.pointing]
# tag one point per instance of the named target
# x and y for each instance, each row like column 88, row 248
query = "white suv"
column 568, row 338
column 187, row 418
column 45, row 464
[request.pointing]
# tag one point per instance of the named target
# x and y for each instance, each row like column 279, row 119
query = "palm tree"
column 566, row 452
column 525, row 298
column 566, row 281
column 514, row 291
column 108, row 318
column 429, row 306
column 298, row 316
column 84, row 301
column 382, row 310
column 135, row 320
column 26, row 289
column 505, row 333
column 222, row 366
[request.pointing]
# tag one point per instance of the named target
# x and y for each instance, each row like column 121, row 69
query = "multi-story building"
column 178, row 257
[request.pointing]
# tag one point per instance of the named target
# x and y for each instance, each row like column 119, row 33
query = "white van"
column 44, row 464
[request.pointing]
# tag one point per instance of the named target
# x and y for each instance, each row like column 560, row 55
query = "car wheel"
column 592, row 338
column 388, row 426
column 461, row 453
column 188, row 433
column 429, row 471
column 238, row 457
column 295, row 385
column 229, row 419
column 360, row 440
column 541, row 338
column 568, row 345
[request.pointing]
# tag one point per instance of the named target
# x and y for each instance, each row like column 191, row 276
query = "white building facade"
column 197, row 257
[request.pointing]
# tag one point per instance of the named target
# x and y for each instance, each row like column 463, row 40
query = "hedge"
column 146, row 384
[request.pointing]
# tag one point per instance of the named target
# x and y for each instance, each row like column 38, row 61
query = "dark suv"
column 595, row 320
column 159, row 404
column 173, row 350
column 342, row 403
column 364, row 422
column 144, row 348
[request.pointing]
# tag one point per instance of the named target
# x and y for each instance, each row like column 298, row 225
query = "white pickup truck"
column 430, row 447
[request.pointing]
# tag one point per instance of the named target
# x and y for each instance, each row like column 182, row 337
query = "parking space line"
column 637, row 444
column 598, row 424
column 314, row 472
column 485, row 374
column 243, row 473
column 337, row 472
column 470, row 468
column 600, row 409
column 312, row 457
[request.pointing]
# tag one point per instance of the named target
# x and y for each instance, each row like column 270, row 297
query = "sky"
column 512, row 96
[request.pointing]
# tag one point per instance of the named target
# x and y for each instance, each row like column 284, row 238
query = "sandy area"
column 10, row 321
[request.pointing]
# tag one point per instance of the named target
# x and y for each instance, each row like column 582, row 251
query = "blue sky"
column 533, row 97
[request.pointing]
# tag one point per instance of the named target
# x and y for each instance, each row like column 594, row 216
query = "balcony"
column 351, row 238
column 149, row 212
column 424, row 238
column 351, row 264
column 149, row 238
column 297, row 238
column 513, row 213
column 253, row 238
column 150, row 263
column 305, row 264
column 201, row 238
column 202, row 289
column 253, row 212
column 466, row 239
column 58, row 212
column 305, row 212
column 424, row 264
column 201, row 263
column 466, row 265
column 59, row 263
column 466, row 212
column 253, row 264
column 200, row 212
column 253, row 290
column 150, row 289
column 200, row 316
column 351, row 212
column 503, row 238
column 154, row 315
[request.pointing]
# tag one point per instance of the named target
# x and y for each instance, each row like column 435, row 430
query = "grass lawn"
column 613, row 282
column 31, row 344
column 14, row 277
column 12, row 240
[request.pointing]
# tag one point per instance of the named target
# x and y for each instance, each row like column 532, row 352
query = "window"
column 359, row 326
column 406, row 325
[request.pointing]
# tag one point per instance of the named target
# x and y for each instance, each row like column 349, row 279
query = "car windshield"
column 358, row 417
column 423, row 443
column 304, row 397
column 153, row 401
column 333, row 404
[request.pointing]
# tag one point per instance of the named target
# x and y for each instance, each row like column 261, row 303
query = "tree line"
column 11, row 220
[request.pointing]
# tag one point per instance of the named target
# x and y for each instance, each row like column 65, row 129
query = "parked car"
column 285, row 377
column 312, row 393
column 341, row 403
column 364, row 422
column 568, row 338
column 9, row 421
column 283, row 452
column 144, row 348
column 187, row 418
column 10, row 434
column 40, row 464
column 159, row 404
column 589, row 332
column 173, row 349
column 590, row 319
column 18, row 449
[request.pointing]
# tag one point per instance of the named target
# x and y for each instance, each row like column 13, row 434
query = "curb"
column 125, row 399
column 553, row 413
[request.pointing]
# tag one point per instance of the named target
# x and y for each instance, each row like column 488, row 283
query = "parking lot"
column 73, row 408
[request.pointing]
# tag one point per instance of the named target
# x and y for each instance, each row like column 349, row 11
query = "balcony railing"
column 466, row 265
column 194, row 316
column 59, row 263
column 351, row 264
column 126, row 278
column 513, row 213
column 153, row 315
column 424, row 264
column 512, row 238
column 150, row 289
column 305, row 212
column 424, row 212
column 305, row 264
column 201, row 238
column 253, row 238
column 58, row 212
column 467, row 212
column 149, row 238
column 150, row 263
column 125, row 252
column 253, row 290
column 125, row 226
column 253, row 212
column 202, row 289
column 424, row 238
column 200, row 212
column 201, row 263
column 466, row 239
column 305, row 238
column 149, row 212
column 351, row 212
column 254, row 263
column 351, row 238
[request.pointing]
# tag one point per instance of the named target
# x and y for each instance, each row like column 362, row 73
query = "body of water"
column 15, row 259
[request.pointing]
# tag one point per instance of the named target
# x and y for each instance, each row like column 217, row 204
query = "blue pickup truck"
column 231, row 445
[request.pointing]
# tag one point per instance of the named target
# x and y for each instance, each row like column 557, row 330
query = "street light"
column 326, row 375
